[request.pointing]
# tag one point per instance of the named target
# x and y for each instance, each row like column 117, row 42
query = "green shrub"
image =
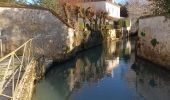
column 109, row 26
column 121, row 23
column 127, row 23
column 81, row 26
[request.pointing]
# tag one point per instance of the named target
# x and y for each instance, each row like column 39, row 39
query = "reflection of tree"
column 86, row 71
column 110, row 49
column 87, row 68
column 125, row 49
column 69, row 76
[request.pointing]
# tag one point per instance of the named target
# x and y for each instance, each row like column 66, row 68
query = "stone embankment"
column 154, row 40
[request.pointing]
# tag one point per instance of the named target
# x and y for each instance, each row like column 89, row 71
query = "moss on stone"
column 154, row 42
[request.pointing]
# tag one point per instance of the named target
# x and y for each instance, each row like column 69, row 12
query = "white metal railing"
column 12, row 67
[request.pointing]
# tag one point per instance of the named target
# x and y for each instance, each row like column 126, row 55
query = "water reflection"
column 152, row 82
column 106, row 71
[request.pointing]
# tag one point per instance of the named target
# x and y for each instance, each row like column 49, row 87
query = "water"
column 107, row 72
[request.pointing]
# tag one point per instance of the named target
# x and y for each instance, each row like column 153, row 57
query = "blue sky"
column 121, row 1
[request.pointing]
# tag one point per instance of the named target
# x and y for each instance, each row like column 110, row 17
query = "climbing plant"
column 154, row 42
column 143, row 34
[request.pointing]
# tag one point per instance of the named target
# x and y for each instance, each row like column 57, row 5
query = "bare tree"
column 136, row 9
column 160, row 7
column 139, row 7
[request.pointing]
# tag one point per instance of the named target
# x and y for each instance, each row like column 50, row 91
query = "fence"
column 12, row 68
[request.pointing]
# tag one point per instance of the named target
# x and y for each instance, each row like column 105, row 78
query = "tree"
column 123, row 10
column 139, row 7
column 136, row 9
column 160, row 7
column 51, row 4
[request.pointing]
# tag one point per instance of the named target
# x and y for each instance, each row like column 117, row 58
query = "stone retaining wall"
column 17, row 25
column 154, row 40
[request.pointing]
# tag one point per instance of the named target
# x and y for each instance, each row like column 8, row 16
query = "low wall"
column 154, row 40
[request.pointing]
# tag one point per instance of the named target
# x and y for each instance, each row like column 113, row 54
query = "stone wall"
column 154, row 40
column 53, row 38
column 51, row 34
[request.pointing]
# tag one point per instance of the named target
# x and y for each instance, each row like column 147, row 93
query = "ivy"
column 143, row 34
column 154, row 42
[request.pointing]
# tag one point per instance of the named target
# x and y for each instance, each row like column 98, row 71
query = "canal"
column 107, row 72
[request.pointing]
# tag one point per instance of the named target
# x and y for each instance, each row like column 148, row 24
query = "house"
column 109, row 6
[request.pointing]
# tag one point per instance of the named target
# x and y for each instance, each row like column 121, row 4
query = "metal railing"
column 12, row 68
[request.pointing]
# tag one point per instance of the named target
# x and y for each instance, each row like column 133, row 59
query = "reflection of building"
column 111, row 59
column 128, row 48
column 110, row 49
column 111, row 65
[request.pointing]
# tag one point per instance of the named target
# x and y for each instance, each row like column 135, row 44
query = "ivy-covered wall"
column 154, row 40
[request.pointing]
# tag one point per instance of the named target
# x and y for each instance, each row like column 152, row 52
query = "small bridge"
column 17, row 73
